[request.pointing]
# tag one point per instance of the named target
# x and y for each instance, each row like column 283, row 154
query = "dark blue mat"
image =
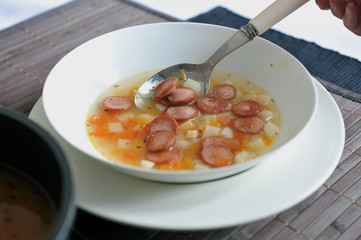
column 339, row 70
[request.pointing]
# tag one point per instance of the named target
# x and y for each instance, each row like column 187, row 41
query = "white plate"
column 273, row 186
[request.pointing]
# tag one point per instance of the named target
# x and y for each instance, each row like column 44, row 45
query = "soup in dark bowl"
column 36, row 192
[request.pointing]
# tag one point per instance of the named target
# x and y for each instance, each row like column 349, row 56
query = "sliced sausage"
column 182, row 113
column 117, row 103
column 217, row 156
column 165, row 102
column 165, row 88
column 164, row 157
column 224, row 91
column 214, row 140
column 160, row 141
column 182, row 96
column 249, row 108
column 162, row 123
column 251, row 125
column 211, row 104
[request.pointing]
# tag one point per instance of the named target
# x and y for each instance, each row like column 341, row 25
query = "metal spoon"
column 202, row 72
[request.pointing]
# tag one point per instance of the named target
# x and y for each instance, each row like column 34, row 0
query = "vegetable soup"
column 235, row 122
column 26, row 211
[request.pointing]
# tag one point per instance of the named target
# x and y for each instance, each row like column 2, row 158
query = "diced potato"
column 160, row 107
column 271, row 130
column 229, row 114
column 186, row 125
column 211, row 131
column 203, row 119
column 239, row 93
column 125, row 116
column 145, row 116
column 226, row 132
column 264, row 99
column 192, row 134
column 115, row 127
column 249, row 96
column 201, row 166
column 257, row 144
column 182, row 144
column 193, row 141
column 123, row 143
column 207, row 119
column 266, row 115
column 241, row 157
column 190, row 83
column 250, row 91
column 146, row 164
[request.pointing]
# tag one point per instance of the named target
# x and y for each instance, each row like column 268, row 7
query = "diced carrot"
column 245, row 146
column 116, row 151
column 141, row 134
column 164, row 166
column 101, row 131
column 235, row 145
column 187, row 161
column 187, row 126
column 131, row 92
column 213, row 123
column 143, row 121
column 176, row 165
column 194, row 148
column 239, row 136
column 222, row 162
column 182, row 74
column 112, row 116
column 129, row 123
column 224, row 120
column 266, row 140
column 98, row 119
column 127, row 134
column 130, row 154
column 161, row 113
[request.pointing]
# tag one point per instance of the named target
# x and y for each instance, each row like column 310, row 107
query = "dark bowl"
column 25, row 146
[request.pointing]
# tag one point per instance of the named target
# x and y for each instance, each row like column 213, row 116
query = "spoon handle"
column 238, row 39
column 274, row 13
column 258, row 25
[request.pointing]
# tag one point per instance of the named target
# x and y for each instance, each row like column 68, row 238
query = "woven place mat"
column 30, row 50
column 343, row 74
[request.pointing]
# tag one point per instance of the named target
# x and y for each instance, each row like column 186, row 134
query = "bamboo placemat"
column 28, row 51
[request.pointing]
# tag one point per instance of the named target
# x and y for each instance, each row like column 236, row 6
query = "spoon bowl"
column 201, row 72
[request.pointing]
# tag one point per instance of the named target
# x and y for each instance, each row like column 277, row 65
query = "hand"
column 348, row 10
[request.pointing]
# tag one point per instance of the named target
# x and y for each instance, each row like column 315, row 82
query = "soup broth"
column 26, row 211
column 122, row 136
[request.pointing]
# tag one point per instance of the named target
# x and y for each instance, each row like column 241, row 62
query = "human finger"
column 323, row 4
column 338, row 8
column 352, row 19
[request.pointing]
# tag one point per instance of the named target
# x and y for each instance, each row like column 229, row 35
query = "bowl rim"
column 66, row 211
column 252, row 162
